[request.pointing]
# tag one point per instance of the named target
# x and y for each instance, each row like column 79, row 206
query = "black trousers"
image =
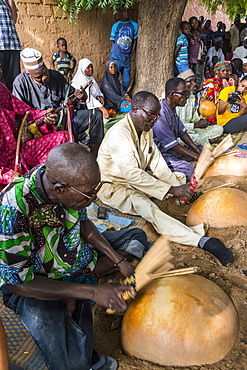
column 10, row 65
column 91, row 119
column 236, row 124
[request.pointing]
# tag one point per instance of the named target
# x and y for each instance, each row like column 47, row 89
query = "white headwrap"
column 32, row 59
column 80, row 78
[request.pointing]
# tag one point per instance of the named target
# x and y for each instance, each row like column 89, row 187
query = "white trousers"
column 129, row 200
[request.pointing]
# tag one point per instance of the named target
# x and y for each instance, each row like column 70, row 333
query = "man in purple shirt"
column 169, row 128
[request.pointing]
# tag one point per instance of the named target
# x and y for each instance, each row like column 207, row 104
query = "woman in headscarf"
column 115, row 96
column 213, row 86
column 84, row 77
column 207, row 33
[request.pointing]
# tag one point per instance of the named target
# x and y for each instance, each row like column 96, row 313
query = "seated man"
column 216, row 50
column 126, row 152
column 49, row 251
column 192, row 121
column 169, row 128
column 42, row 89
column 35, row 150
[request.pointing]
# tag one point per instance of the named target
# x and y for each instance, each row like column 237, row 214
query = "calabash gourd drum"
column 207, row 109
column 180, row 321
column 228, row 165
column 219, row 208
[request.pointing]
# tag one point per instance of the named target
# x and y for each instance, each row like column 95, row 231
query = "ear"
column 59, row 188
column 134, row 109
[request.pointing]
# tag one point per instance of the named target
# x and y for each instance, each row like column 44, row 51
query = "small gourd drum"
column 207, row 109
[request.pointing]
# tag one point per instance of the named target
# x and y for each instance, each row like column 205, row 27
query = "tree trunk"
column 159, row 22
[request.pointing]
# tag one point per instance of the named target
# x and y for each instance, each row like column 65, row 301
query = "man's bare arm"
column 13, row 10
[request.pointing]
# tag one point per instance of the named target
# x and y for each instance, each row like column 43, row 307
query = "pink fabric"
column 33, row 152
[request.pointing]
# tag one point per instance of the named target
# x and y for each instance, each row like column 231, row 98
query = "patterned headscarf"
column 220, row 65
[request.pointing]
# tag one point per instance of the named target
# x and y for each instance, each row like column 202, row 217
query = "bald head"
column 71, row 163
column 140, row 98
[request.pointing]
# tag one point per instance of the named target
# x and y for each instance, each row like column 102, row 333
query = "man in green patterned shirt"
column 48, row 267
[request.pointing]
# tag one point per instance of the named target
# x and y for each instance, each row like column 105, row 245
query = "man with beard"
column 198, row 128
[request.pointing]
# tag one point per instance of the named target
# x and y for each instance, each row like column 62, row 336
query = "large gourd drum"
column 222, row 207
column 228, row 165
column 180, row 321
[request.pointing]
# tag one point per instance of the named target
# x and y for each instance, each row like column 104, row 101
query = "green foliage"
column 72, row 8
column 230, row 7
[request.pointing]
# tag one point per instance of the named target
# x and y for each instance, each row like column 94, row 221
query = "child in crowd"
column 181, row 50
column 244, row 67
column 63, row 60
column 194, row 44
column 227, row 47
column 200, row 71
column 215, row 60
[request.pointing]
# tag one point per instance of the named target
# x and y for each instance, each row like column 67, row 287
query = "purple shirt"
column 168, row 128
column 194, row 46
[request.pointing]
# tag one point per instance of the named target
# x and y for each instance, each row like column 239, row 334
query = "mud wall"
column 40, row 24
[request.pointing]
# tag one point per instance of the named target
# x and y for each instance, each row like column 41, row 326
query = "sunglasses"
column 184, row 93
column 94, row 192
column 152, row 116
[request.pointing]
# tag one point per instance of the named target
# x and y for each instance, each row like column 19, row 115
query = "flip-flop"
column 242, row 146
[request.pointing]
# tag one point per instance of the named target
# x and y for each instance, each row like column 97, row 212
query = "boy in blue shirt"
column 124, row 34
column 181, row 51
column 63, row 59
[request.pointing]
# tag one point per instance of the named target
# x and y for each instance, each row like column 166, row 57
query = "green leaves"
column 72, row 8
column 230, row 7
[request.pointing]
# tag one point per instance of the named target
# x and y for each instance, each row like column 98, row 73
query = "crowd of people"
column 52, row 255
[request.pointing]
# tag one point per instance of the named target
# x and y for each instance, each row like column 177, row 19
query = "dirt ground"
column 231, row 279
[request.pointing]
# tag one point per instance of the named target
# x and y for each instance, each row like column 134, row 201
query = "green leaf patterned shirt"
column 38, row 236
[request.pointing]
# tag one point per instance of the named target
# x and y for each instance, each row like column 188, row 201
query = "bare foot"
column 216, row 140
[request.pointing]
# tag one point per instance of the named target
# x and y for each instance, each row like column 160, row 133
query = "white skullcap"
column 186, row 74
column 32, row 59
column 244, row 60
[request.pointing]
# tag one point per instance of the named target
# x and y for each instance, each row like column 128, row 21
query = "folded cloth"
column 110, row 223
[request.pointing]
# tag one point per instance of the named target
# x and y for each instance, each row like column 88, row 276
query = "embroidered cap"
column 32, row 59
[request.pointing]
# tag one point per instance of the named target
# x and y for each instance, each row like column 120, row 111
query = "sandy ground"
column 231, row 279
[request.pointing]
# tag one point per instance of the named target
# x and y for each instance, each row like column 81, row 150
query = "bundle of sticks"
column 154, row 265
column 208, row 156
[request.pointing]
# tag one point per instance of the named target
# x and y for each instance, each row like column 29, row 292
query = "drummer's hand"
column 110, row 295
column 126, row 268
column 203, row 123
column 80, row 95
column 181, row 191
column 51, row 118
